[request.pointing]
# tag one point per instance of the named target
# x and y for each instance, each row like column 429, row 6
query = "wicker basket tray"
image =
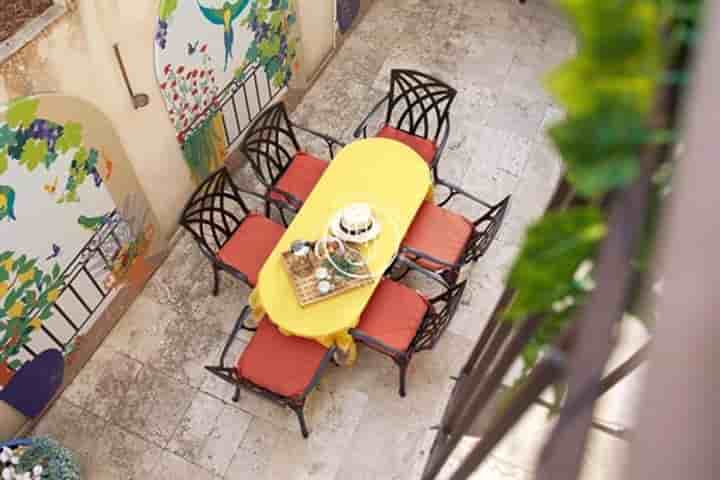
column 302, row 275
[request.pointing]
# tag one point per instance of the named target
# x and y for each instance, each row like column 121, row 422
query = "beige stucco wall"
column 74, row 56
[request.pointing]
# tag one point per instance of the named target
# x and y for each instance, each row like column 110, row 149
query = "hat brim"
column 348, row 237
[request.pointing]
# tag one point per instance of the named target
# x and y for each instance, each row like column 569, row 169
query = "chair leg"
column 216, row 281
column 300, row 412
column 402, row 364
column 236, row 396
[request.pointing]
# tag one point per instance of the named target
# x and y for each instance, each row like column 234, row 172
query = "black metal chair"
column 417, row 114
column 399, row 322
column 282, row 368
column 444, row 242
column 234, row 238
column 288, row 173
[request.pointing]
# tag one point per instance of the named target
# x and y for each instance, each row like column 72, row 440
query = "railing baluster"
column 53, row 337
column 102, row 292
column 66, row 317
column 257, row 91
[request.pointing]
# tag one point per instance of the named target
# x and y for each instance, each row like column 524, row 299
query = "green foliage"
column 274, row 45
column 58, row 462
column 553, row 250
column 21, row 112
column 608, row 91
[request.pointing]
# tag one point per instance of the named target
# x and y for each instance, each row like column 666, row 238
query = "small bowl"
column 324, row 286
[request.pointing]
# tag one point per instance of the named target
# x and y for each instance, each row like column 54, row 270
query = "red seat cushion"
column 300, row 177
column 280, row 363
column 424, row 147
column 393, row 314
column 439, row 233
column 251, row 244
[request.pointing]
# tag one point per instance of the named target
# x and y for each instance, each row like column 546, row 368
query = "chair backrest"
column 486, row 229
column 270, row 144
column 214, row 212
column 443, row 308
column 419, row 104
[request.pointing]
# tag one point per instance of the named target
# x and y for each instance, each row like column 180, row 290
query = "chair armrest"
column 423, row 271
column 362, row 128
column 239, row 323
column 456, row 190
column 290, row 200
column 329, row 140
column 441, row 146
column 318, row 373
column 373, row 342
column 419, row 254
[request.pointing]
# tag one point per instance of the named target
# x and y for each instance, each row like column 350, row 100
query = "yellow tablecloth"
column 384, row 173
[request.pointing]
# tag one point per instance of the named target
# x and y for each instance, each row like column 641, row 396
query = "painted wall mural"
column 204, row 49
column 74, row 224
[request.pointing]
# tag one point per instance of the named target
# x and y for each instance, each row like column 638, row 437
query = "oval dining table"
column 394, row 180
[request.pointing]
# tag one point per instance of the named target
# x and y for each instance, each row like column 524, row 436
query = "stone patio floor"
column 144, row 407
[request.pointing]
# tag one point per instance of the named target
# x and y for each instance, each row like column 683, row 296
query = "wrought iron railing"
column 91, row 264
column 240, row 102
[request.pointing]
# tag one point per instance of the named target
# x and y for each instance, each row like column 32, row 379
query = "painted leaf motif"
column 71, row 137
column 167, row 7
column 7, row 137
column 21, row 112
column 33, row 153
column 3, row 161
column 276, row 19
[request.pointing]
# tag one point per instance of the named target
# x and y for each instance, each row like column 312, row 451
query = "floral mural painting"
column 35, row 142
column 198, row 70
column 59, row 217
column 188, row 91
column 274, row 42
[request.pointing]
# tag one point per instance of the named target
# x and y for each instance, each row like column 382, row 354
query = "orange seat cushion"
column 280, row 363
column 300, row 177
column 424, row 147
column 393, row 315
column 439, row 233
column 251, row 244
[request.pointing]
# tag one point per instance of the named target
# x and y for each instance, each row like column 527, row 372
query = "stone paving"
column 144, row 407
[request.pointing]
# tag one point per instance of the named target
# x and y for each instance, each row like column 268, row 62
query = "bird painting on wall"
column 225, row 16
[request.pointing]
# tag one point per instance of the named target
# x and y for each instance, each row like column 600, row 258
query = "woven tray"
column 305, row 283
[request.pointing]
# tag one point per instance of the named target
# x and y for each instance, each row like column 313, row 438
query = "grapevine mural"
column 61, row 197
column 203, row 46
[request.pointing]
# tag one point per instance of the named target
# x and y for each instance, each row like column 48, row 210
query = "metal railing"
column 89, row 266
column 240, row 102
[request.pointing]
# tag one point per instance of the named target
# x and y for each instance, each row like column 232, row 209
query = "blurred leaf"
column 600, row 149
column 553, row 250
